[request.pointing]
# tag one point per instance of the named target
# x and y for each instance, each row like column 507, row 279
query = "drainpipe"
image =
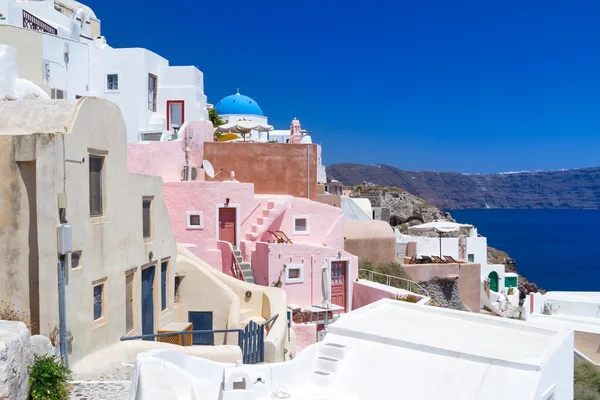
column 62, row 310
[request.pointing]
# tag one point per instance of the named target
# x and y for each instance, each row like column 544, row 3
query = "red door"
column 227, row 225
column 338, row 283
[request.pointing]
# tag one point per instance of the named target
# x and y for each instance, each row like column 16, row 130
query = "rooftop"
column 37, row 116
column 407, row 325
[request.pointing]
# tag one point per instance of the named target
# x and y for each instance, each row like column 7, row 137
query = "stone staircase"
column 268, row 215
column 246, row 267
column 327, row 363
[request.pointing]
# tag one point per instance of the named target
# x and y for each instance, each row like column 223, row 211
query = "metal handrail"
column 183, row 333
column 410, row 287
column 271, row 320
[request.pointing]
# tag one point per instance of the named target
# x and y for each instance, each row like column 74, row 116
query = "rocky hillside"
column 578, row 188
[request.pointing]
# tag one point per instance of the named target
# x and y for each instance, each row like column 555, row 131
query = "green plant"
column 407, row 299
column 587, row 381
column 213, row 116
column 48, row 379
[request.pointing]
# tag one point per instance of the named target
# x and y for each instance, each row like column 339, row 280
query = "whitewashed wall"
column 73, row 75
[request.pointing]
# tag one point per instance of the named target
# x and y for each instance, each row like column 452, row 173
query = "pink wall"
column 326, row 223
column 182, row 197
column 166, row 159
column 311, row 257
column 364, row 294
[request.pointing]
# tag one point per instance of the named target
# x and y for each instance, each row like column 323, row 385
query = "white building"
column 579, row 311
column 382, row 350
column 61, row 49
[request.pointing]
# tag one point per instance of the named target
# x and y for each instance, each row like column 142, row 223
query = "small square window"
column 147, row 217
column 75, row 259
column 301, row 225
column 112, row 82
column 194, row 220
column 294, row 274
column 99, row 296
column 471, row 257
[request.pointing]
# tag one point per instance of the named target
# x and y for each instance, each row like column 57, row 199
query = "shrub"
column 391, row 268
column 8, row 312
column 587, row 381
column 408, row 299
column 48, row 379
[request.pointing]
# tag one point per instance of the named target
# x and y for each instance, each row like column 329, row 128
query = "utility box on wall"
column 64, row 239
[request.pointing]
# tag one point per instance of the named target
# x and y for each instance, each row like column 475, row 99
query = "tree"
column 213, row 116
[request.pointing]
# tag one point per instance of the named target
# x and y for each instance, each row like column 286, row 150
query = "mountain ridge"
column 551, row 189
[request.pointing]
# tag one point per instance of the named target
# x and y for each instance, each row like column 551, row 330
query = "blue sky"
column 468, row 86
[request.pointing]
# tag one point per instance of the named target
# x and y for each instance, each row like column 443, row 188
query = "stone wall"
column 16, row 354
column 444, row 292
column 17, row 348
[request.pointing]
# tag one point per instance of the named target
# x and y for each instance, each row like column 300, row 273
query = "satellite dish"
column 208, row 168
column 306, row 139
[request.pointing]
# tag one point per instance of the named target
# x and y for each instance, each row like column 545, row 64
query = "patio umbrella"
column 439, row 226
column 243, row 127
column 326, row 285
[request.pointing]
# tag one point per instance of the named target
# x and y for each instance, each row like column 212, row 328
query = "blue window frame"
column 163, row 285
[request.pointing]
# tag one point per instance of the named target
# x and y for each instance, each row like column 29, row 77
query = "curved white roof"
column 75, row 5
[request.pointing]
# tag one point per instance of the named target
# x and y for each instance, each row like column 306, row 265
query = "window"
column 112, row 82
column 129, row 283
column 194, row 220
column 164, row 289
column 58, row 94
column 294, row 274
column 96, row 167
column 471, row 257
column 178, row 280
column 75, row 259
column 301, row 225
column 147, row 217
column 99, row 298
column 152, row 89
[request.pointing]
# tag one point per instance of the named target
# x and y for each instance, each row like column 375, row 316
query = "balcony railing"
column 32, row 22
column 392, row 281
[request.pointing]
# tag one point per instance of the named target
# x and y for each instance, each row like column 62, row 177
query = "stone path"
column 111, row 384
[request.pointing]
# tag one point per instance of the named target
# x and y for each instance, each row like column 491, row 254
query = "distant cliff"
column 577, row 188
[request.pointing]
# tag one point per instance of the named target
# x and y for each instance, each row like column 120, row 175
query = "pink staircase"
column 268, row 215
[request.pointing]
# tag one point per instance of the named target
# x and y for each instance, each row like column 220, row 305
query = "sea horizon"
column 553, row 248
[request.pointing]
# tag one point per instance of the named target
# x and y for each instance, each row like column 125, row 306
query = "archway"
column 493, row 277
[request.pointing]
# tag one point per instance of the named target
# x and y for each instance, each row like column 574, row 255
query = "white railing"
column 387, row 280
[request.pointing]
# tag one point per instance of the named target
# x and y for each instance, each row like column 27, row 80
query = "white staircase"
column 268, row 215
column 327, row 363
column 247, row 315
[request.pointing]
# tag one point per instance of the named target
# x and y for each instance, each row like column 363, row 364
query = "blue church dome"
column 238, row 104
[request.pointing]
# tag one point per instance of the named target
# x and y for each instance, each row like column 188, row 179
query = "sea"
column 555, row 249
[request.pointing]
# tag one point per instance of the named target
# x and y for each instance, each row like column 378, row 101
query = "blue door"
column 148, row 301
column 202, row 321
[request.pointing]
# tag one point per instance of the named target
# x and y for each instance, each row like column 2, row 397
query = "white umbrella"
column 326, row 285
column 244, row 126
column 439, row 226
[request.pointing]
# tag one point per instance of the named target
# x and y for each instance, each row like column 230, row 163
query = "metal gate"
column 252, row 343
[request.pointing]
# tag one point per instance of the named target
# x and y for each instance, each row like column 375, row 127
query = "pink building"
column 269, row 239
